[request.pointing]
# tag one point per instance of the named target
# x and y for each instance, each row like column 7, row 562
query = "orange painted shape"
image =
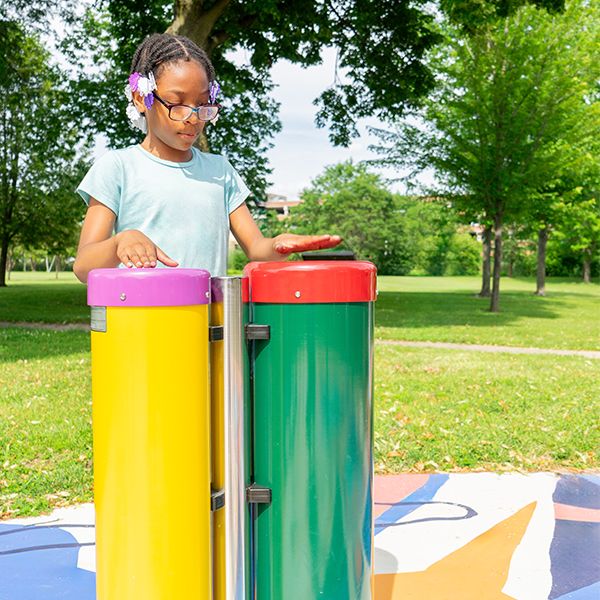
column 569, row 512
column 390, row 489
column 477, row 570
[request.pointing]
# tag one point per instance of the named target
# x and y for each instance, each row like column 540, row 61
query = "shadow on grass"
column 44, row 303
column 30, row 344
column 431, row 309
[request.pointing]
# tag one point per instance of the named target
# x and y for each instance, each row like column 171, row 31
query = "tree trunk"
column 3, row 260
column 9, row 264
column 495, row 301
column 486, row 263
column 198, row 24
column 587, row 267
column 540, row 286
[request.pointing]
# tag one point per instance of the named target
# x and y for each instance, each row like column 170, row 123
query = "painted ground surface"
column 457, row 537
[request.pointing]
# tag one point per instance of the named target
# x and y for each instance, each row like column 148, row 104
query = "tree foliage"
column 579, row 230
column 349, row 201
column 380, row 49
column 428, row 227
column 511, row 112
column 40, row 145
column 473, row 15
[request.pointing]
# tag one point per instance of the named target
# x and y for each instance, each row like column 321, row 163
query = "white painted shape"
column 529, row 576
column 79, row 514
column 494, row 497
column 87, row 558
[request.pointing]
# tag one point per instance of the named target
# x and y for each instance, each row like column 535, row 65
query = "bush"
column 237, row 260
column 464, row 255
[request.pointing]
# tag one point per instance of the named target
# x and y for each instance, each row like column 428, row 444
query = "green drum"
column 312, row 429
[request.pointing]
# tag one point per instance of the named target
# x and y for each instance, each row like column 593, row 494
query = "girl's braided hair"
column 159, row 49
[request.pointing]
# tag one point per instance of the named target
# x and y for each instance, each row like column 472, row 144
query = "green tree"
column 510, row 109
column 464, row 255
column 379, row 72
column 349, row 201
column 383, row 42
column 428, row 227
column 39, row 143
column 579, row 226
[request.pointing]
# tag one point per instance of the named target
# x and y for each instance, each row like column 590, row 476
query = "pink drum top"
column 148, row 287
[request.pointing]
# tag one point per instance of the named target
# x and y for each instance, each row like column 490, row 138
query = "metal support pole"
column 228, row 290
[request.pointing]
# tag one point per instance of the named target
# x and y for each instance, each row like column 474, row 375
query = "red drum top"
column 312, row 282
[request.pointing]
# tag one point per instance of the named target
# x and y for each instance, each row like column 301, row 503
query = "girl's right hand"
column 135, row 249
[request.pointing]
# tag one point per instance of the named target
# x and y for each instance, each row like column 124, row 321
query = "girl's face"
column 183, row 82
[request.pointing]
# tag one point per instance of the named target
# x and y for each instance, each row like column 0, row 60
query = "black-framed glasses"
column 182, row 112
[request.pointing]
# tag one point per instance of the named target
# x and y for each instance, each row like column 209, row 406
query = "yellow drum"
column 151, row 426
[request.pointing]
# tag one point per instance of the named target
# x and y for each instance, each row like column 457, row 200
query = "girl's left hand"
column 286, row 243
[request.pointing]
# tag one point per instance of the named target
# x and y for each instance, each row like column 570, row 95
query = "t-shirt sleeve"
column 104, row 182
column 236, row 190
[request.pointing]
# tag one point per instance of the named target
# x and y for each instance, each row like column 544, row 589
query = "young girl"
column 166, row 201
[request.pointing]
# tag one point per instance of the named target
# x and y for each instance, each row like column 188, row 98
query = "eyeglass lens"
column 180, row 112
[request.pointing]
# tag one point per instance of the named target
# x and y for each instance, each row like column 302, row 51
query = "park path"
column 46, row 326
column 594, row 354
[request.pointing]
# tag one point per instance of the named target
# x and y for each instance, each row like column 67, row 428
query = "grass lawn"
column 41, row 298
column 436, row 410
column 45, row 420
column 440, row 309
column 446, row 309
column 452, row 410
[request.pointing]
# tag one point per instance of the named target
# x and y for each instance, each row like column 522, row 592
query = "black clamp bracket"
column 258, row 332
column 257, row 494
column 215, row 333
column 217, row 499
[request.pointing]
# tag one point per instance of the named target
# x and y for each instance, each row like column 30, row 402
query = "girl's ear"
column 138, row 102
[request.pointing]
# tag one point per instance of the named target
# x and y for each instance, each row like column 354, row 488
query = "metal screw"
column 297, row 294
column 123, row 297
column 207, row 294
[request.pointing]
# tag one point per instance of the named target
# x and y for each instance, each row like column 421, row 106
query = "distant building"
column 475, row 230
column 275, row 202
column 280, row 204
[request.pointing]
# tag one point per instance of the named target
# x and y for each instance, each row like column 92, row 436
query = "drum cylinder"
column 151, row 431
column 312, row 396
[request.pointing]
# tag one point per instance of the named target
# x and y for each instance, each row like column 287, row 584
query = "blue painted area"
column 577, row 491
column 591, row 477
column 574, row 556
column 409, row 504
column 591, row 592
column 575, row 548
column 31, row 571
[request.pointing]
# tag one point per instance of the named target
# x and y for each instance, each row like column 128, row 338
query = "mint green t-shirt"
column 183, row 207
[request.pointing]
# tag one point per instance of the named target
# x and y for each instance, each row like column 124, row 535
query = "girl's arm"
column 258, row 247
column 98, row 248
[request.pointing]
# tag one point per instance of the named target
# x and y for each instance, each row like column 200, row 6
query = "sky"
column 301, row 151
